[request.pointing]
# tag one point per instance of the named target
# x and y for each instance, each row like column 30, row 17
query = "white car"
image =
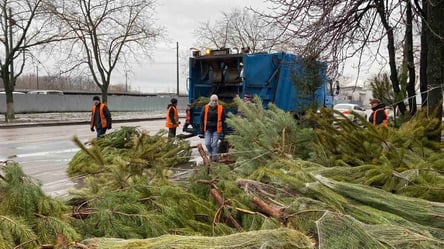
column 350, row 111
column 12, row 92
column 53, row 92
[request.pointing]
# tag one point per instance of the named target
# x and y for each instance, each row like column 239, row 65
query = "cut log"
column 273, row 211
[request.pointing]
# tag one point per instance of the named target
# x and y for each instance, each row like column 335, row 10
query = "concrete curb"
column 68, row 122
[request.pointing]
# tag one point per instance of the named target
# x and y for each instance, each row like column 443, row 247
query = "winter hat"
column 96, row 98
column 375, row 101
column 173, row 101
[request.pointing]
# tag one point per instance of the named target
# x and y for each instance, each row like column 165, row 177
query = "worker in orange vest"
column 213, row 125
column 172, row 118
column 379, row 114
column 100, row 117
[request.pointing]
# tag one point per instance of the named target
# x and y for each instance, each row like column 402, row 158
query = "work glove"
column 92, row 129
column 108, row 127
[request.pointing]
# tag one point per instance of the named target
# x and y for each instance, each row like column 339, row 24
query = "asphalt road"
column 44, row 152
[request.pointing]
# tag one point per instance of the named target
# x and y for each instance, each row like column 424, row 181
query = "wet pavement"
column 49, row 119
column 43, row 146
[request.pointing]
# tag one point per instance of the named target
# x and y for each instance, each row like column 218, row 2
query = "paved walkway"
column 47, row 119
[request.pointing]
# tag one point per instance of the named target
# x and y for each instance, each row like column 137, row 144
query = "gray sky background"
column 180, row 18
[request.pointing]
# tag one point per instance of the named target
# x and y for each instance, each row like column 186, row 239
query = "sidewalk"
column 66, row 118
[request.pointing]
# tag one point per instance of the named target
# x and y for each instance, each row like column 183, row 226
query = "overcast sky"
column 180, row 18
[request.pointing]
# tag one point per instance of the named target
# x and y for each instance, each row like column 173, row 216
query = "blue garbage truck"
column 274, row 77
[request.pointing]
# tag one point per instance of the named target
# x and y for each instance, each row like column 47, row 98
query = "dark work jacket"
column 211, row 119
column 106, row 113
column 380, row 114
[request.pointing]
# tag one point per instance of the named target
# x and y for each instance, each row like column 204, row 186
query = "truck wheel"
column 223, row 146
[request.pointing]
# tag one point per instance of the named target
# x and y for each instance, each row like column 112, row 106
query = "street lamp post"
column 37, row 75
column 126, row 81
column 177, row 67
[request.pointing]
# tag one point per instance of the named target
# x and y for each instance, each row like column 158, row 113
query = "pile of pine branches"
column 28, row 217
column 333, row 184
column 358, row 180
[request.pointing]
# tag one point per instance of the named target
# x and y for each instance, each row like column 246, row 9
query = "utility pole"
column 37, row 75
column 177, row 67
column 126, row 81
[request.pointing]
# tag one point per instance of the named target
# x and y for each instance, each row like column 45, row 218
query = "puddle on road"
column 183, row 172
column 46, row 153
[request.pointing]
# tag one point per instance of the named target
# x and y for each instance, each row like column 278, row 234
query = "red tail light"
column 188, row 116
column 346, row 112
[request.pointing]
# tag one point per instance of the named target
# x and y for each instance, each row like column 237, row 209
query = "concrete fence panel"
column 41, row 103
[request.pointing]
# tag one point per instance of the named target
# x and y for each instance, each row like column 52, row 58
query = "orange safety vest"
column 102, row 115
column 385, row 121
column 169, row 122
column 220, row 110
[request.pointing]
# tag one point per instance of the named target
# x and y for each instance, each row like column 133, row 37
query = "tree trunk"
column 392, row 54
column 9, row 88
column 10, row 114
column 410, row 60
column 104, row 90
column 435, row 61
column 423, row 57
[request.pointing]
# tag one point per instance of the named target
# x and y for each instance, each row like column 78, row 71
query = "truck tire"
column 223, row 146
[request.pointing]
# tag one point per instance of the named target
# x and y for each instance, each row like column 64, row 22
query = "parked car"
column 12, row 92
column 53, row 92
column 350, row 111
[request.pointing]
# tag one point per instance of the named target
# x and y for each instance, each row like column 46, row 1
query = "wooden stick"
column 217, row 197
column 272, row 211
column 222, row 204
column 203, row 154
column 211, row 182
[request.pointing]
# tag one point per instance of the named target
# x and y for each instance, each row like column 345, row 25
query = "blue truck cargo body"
column 267, row 75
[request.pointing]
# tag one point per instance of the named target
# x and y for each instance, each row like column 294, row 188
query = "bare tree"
column 422, row 9
column 435, row 60
column 241, row 29
column 24, row 25
column 409, row 58
column 385, row 14
column 343, row 29
column 108, row 33
column 339, row 30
